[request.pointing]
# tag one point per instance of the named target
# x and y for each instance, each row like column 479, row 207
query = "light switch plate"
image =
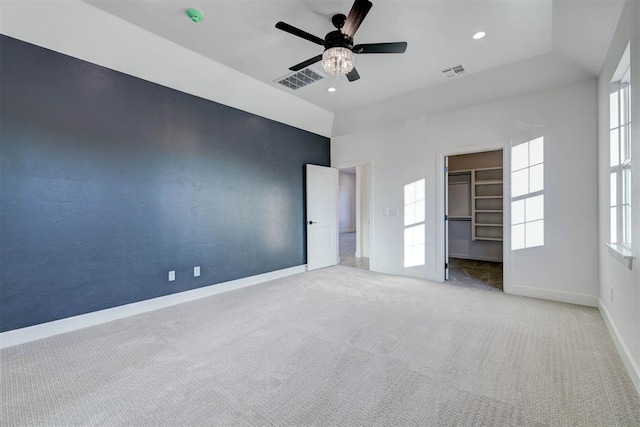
column 196, row 271
column 172, row 275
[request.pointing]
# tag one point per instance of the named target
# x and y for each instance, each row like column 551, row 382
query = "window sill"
column 621, row 253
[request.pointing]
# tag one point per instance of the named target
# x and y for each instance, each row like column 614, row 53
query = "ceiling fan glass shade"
column 337, row 61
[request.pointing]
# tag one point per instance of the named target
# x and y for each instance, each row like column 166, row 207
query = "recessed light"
column 479, row 35
column 332, row 89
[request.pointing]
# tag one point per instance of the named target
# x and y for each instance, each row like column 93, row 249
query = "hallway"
column 348, row 252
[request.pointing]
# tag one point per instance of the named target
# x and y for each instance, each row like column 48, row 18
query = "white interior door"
column 322, row 220
column 446, row 218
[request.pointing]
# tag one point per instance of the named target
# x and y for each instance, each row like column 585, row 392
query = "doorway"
column 474, row 220
column 354, row 216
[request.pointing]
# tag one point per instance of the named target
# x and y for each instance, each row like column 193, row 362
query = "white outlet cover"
column 172, row 275
column 196, row 271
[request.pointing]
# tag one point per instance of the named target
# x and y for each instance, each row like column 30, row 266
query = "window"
column 414, row 207
column 527, row 198
column 620, row 161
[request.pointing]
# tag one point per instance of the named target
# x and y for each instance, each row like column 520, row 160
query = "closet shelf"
column 489, row 182
column 483, row 191
column 486, row 192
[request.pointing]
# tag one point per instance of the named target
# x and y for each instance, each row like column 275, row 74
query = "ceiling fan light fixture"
column 337, row 61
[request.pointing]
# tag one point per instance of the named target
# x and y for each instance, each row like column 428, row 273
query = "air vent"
column 300, row 79
column 453, row 71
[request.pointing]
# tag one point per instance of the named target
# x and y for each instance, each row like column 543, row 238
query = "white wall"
column 623, row 313
column 566, row 267
column 533, row 74
column 363, row 214
column 85, row 32
column 347, row 202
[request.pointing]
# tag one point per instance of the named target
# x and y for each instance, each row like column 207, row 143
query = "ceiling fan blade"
column 298, row 32
column 306, row 63
column 353, row 75
column 358, row 12
column 397, row 47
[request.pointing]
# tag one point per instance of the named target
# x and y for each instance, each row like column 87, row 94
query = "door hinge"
column 446, row 265
column 446, row 217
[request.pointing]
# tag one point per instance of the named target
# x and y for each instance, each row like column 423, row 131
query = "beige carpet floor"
column 335, row 347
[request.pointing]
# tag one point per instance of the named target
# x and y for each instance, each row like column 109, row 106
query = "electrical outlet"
column 611, row 294
column 172, row 275
column 196, row 271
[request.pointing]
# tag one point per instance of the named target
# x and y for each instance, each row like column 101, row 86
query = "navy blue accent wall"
column 108, row 181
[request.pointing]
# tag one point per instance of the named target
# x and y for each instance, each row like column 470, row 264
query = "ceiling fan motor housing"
column 337, row 39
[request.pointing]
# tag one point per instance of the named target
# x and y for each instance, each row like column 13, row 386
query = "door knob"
column 313, row 222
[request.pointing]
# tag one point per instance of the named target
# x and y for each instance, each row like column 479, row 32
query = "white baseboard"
column 44, row 330
column 431, row 277
column 632, row 368
column 475, row 258
column 553, row 295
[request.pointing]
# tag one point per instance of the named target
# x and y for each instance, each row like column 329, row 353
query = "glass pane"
column 420, row 189
column 420, row 211
column 613, row 218
column 536, row 178
column 613, row 110
column 517, row 212
column 613, row 148
column 613, row 189
column 520, row 183
column 418, row 234
column 624, row 104
column 410, row 214
column 627, row 224
column 626, row 186
column 414, row 256
column 414, row 235
column 536, row 151
column 534, row 234
column 534, row 208
column 624, row 144
column 517, row 237
column 408, row 237
column 410, row 193
column 418, row 255
column 519, row 156
column 408, row 257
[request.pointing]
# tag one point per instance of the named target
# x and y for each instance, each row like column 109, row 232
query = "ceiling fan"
column 337, row 58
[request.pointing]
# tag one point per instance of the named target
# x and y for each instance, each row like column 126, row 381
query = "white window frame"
column 414, row 220
column 619, row 137
column 529, row 195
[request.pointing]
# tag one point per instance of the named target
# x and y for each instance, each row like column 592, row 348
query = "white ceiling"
column 241, row 34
